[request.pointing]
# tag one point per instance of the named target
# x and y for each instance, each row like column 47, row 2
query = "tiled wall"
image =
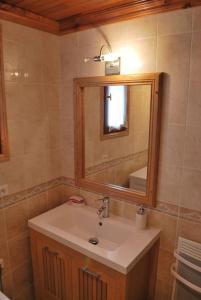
column 32, row 100
column 169, row 43
column 14, row 241
column 33, row 113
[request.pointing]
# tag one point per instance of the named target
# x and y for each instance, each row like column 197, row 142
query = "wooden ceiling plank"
column 82, row 7
column 38, row 7
column 122, row 13
column 23, row 17
column 82, row 14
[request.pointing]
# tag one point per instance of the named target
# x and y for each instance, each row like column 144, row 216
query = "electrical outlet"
column 3, row 190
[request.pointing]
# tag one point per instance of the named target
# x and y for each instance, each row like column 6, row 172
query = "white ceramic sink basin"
column 84, row 224
column 120, row 245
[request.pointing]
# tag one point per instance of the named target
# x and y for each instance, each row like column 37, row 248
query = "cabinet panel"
column 91, row 287
column 60, row 273
column 93, row 281
column 54, row 272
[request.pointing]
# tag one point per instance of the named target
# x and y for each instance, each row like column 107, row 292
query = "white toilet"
column 138, row 179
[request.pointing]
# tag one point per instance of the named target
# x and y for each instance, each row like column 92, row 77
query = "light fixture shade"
column 111, row 56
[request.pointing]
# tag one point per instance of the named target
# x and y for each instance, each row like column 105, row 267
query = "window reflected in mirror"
column 115, row 110
column 123, row 160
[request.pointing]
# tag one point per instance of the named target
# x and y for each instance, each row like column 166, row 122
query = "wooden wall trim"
column 21, row 16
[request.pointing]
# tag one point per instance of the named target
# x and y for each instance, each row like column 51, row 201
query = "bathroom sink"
column 120, row 244
column 84, row 224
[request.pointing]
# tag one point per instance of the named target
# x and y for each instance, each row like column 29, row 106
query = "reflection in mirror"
column 117, row 154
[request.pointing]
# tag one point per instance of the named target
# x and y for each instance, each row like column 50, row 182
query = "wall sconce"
column 112, row 60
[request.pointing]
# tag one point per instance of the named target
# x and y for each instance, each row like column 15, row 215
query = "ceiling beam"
column 122, row 12
column 21, row 16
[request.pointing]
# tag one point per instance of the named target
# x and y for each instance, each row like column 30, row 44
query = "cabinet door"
column 93, row 281
column 55, row 279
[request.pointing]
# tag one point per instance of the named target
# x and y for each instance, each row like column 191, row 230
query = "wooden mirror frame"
column 4, row 149
column 154, row 79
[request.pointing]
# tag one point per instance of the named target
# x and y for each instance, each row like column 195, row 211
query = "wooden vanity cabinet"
column 60, row 273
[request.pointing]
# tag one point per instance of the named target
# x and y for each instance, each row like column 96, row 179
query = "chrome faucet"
column 103, row 211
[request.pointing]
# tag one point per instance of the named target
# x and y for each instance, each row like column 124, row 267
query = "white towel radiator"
column 187, row 271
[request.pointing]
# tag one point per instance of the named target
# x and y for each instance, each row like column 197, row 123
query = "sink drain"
column 93, row 241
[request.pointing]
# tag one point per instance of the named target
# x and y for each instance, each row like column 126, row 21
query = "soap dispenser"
column 141, row 217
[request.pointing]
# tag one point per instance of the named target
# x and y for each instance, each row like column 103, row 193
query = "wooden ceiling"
column 63, row 16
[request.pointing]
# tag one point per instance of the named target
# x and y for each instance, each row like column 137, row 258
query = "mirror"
column 4, row 153
column 117, row 125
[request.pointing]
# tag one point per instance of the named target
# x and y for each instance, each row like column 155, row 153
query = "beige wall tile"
column 169, row 58
column 19, row 251
column 67, row 155
column 37, row 205
column 55, row 197
column 22, row 277
column 54, row 127
column 14, row 100
column 137, row 56
column 33, row 102
column 66, row 100
column 175, row 22
column 35, row 134
column 50, row 48
column 194, row 107
column 69, row 191
column 196, row 18
column 172, row 145
column 52, row 100
column 16, row 219
column 168, row 226
column 16, row 138
column 192, row 155
column 13, row 59
column 189, row 230
column 165, row 260
column 175, row 98
column 163, row 290
column 54, row 163
column 36, row 166
column 191, row 189
column 169, row 184
column 196, row 57
column 12, row 173
column 136, row 28
column 2, row 226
